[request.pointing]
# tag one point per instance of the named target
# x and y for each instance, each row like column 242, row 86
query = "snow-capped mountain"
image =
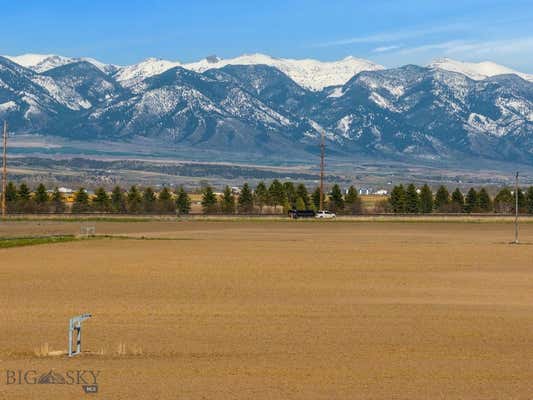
column 45, row 62
column 311, row 74
column 133, row 74
column 24, row 100
column 476, row 71
column 433, row 114
column 82, row 85
column 247, row 106
column 40, row 62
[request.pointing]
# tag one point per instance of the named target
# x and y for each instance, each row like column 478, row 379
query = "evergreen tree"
column 504, row 201
column 352, row 202
column 118, row 202
column 529, row 200
column 301, row 192
column 276, row 193
column 41, row 196
column 81, row 201
column 183, row 201
column 58, row 202
column 41, row 199
column 149, row 200
column 471, row 201
column 426, row 200
column 336, row 202
column 11, row 197
column 300, row 204
column 11, row 193
column 101, row 200
column 209, row 201
column 484, row 201
column 24, row 192
column 412, row 201
column 290, row 193
column 458, row 201
column 261, row 195
column 315, row 199
column 442, row 199
column 246, row 200
column 398, row 200
column 24, row 200
column 227, row 201
column 164, row 201
column 134, row 200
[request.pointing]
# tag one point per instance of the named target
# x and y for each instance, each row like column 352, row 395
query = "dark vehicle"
column 295, row 214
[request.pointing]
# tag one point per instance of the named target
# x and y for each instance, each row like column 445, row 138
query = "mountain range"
column 261, row 106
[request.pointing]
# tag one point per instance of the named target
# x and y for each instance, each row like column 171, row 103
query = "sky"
column 389, row 32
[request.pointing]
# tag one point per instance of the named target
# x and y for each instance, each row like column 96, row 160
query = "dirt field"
column 274, row 310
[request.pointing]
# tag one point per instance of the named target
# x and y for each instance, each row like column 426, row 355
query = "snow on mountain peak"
column 40, row 62
column 133, row 74
column 476, row 71
column 309, row 73
column 44, row 62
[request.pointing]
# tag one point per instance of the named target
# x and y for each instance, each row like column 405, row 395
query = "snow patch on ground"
column 484, row 124
column 8, row 106
column 337, row 92
column 344, row 125
column 382, row 102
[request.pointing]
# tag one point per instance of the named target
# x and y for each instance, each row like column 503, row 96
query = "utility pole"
column 516, row 210
column 4, row 171
column 322, row 150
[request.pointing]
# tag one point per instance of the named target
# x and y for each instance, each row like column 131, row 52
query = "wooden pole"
column 4, row 171
column 322, row 150
column 516, row 210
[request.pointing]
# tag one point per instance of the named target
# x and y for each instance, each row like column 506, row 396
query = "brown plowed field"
column 274, row 310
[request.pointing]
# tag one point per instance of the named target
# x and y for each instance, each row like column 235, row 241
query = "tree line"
column 413, row 200
column 279, row 196
column 276, row 197
column 133, row 201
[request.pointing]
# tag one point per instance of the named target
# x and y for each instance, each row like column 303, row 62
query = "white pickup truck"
column 325, row 214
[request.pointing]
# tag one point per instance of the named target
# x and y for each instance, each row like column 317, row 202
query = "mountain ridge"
column 411, row 112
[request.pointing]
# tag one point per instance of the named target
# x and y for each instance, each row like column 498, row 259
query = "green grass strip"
column 32, row 241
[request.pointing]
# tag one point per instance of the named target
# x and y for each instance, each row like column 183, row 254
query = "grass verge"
column 32, row 241
column 36, row 240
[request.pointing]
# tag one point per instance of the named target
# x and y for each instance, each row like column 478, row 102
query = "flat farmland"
column 273, row 310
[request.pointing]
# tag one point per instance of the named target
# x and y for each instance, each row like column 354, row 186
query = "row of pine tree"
column 279, row 196
column 413, row 200
column 134, row 201
column 274, row 198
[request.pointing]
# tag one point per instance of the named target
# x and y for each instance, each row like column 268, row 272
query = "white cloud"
column 384, row 37
column 442, row 46
column 383, row 49
column 475, row 48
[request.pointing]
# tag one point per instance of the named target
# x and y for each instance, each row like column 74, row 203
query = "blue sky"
column 391, row 32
